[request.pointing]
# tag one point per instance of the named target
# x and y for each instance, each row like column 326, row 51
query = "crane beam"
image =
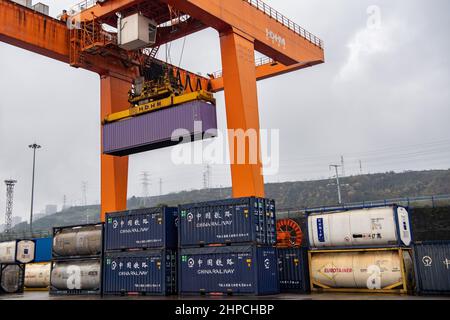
column 30, row 30
column 275, row 35
column 262, row 71
column 35, row 32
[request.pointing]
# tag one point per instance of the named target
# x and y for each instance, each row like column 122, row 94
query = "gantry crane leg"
column 238, row 62
column 114, row 170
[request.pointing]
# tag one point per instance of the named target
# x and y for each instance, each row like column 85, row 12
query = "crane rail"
column 260, row 5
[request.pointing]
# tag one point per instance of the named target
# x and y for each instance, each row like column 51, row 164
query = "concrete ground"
column 43, row 295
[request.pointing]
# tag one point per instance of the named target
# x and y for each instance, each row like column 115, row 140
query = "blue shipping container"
column 43, row 251
column 239, row 270
column 242, row 220
column 141, row 228
column 294, row 270
column 146, row 272
column 432, row 264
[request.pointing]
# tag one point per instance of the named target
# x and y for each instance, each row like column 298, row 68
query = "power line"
column 384, row 150
column 145, row 181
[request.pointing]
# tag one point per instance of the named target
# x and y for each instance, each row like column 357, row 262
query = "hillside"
column 288, row 195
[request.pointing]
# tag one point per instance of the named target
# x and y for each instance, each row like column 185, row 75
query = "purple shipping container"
column 154, row 130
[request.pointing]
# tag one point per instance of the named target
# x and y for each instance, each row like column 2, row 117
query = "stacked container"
column 432, row 265
column 13, row 257
column 292, row 257
column 37, row 274
column 364, row 250
column 227, row 247
column 293, row 269
column 76, row 260
column 141, row 252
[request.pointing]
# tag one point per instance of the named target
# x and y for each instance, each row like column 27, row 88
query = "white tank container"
column 386, row 226
column 37, row 275
column 76, row 275
column 17, row 251
column 82, row 241
column 375, row 270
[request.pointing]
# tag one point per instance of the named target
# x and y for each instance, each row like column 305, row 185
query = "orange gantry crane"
column 243, row 26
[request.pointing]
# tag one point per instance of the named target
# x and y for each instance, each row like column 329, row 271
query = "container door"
column 433, row 267
column 268, row 281
column 271, row 222
column 8, row 252
column 404, row 227
column 218, row 272
column 25, row 251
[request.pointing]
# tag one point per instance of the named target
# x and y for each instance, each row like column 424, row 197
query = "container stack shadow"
column 76, row 260
column 227, row 247
column 141, row 252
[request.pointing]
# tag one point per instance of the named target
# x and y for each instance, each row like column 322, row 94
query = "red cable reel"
column 289, row 234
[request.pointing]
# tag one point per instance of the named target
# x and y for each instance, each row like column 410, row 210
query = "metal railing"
column 260, row 5
column 258, row 62
column 81, row 6
column 25, row 235
column 408, row 202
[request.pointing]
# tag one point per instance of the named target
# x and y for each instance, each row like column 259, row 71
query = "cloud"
column 370, row 44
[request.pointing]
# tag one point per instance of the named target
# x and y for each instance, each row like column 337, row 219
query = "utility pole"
column 335, row 166
column 145, row 183
column 360, row 167
column 160, row 186
column 145, row 180
column 9, row 204
column 33, row 146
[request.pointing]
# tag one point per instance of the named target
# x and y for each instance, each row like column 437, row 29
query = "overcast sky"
column 382, row 97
